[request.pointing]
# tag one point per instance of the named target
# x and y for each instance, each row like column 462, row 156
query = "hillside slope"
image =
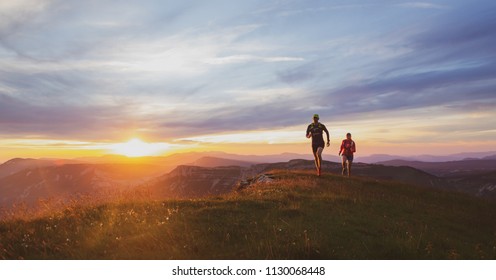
column 65, row 181
column 18, row 164
column 482, row 184
column 295, row 216
column 195, row 181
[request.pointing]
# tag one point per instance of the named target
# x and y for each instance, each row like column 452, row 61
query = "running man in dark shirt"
column 316, row 131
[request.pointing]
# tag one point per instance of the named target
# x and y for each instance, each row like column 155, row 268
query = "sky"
column 79, row 77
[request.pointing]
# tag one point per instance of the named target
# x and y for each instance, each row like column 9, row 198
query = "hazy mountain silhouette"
column 377, row 158
column 447, row 168
column 207, row 159
column 490, row 157
column 18, row 164
column 217, row 162
column 60, row 182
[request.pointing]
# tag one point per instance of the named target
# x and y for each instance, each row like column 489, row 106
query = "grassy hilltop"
column 296, row 216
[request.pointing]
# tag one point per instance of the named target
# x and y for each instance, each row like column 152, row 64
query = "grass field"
column 297, row 216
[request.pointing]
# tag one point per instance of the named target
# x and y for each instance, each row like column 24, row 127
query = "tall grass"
column 297, row 216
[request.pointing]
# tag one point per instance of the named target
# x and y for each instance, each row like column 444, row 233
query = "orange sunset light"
column 138, row 148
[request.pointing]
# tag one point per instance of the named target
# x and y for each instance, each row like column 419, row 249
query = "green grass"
column 297, row 216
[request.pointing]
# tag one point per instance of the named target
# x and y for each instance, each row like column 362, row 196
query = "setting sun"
column 137, row 148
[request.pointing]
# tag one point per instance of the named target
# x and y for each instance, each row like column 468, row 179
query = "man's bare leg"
column 319, row 156
column 317, row 163
column 343, row 164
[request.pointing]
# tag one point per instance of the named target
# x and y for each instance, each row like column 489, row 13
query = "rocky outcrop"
column 259, row 179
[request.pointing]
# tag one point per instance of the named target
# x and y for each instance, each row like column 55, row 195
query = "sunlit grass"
column 297, row 216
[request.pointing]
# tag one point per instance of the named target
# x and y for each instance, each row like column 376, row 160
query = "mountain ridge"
column 376, row 158
column 446, row 168
column 62, row 182
column 209, row 161
column 189, row 157
column 219, row 177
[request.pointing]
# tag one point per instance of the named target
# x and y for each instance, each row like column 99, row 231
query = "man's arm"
column 327, row 133
column 308, row 131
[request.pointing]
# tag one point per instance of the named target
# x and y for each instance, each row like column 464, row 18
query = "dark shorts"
column 348, row 158
column 316, row 146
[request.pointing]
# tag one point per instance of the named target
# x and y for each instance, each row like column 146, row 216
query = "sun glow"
column 137, row 148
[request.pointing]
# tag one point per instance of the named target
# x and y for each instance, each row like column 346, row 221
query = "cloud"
column 251, row 58
column 18, row 117
column 463, row 35
column 422, row 5
column 237, row 116
column 269, row 136
column 16, row 14
column 414, row 90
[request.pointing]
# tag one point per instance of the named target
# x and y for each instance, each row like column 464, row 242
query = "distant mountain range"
column 216, row 162
column 192, row 158
column 449, row 168
column 428, row 158
column 17, row 164
column 204, row 159
column 194, row 175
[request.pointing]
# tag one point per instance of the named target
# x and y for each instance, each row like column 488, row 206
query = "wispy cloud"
column 250, row 58
column 422, row 5
column 268, row 136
